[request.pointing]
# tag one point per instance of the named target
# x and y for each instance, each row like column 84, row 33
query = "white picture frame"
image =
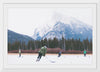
column 45, row 68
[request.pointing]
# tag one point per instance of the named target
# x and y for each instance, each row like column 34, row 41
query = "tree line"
column 65, row 44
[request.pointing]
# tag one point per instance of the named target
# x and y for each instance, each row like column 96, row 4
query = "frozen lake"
column 49, row 59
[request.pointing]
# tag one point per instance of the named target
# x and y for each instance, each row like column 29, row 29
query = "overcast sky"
column 25, row 20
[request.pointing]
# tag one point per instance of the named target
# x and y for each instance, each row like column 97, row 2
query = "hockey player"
column 59, row 54
column 84, row 52
column 42, row 52
column 19, row 52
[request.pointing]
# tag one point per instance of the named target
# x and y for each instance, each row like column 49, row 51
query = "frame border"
column 50, row 5
column 39, row 69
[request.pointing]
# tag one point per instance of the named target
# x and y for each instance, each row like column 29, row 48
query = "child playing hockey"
column 84, row 52
column 59, row 54
column 19, row 52
column 41, row 52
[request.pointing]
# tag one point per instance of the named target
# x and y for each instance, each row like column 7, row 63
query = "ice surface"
column 50, row 59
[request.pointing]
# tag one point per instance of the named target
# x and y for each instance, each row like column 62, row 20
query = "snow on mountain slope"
column 66, row 26
column 69, row 31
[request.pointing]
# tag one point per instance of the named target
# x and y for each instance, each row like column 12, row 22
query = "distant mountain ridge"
column 13, row 36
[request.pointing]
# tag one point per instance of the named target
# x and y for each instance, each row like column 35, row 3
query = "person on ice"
column 59, row 54
column 84, row 52
column 19, row 52
column 42, row 52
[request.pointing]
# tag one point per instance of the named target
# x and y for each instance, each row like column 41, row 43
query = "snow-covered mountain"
column 69, row 31
column 68, row 27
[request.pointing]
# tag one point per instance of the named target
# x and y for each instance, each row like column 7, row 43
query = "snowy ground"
column 49, row 59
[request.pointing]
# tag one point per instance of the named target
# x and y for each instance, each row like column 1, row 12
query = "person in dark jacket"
column 59, row 54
